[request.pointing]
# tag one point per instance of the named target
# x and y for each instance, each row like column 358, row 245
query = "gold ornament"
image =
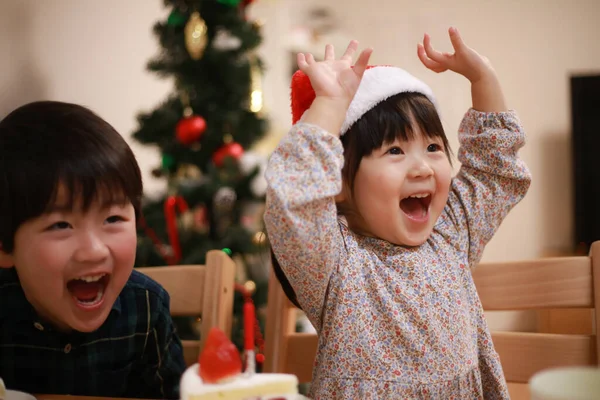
column 256, row 92
column 250, row 287
column 195, row 36
column 259, row 238
column 187, row 220
column 188, row 171
column 258, row 24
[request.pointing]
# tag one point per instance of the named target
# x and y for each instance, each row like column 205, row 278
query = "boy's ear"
column 6, row 259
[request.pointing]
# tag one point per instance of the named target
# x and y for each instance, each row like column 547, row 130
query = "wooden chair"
column 548, row 283
column 205, row 290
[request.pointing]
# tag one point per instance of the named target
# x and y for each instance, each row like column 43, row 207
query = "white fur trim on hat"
column 379, row 83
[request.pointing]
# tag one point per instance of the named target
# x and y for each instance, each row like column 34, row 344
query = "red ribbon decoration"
column 257, row 336
column 249, row 317
column 172, row 205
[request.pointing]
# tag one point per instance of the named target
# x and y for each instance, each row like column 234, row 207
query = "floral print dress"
column 395, row 322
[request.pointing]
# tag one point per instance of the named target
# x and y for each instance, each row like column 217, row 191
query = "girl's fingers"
column 301, row 61
column 310, row 59
column 455, row 39
column 431, row 53
column 427, row 62
column 329, row 52
column 350, row 50
column 362, row 62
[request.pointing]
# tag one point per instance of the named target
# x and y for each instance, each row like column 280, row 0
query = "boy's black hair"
column 391, row 119
column 48, row 144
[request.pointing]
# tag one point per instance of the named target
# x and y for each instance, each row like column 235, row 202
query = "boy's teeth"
column 94, row 300
column 93, row 278
column 419, row 195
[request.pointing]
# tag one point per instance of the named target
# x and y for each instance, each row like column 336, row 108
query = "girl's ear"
column 6, row 259
column 344, row 195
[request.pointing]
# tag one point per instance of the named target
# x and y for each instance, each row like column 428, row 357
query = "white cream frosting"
column 257, row 386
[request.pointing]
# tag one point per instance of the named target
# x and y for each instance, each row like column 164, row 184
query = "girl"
column 387, row 284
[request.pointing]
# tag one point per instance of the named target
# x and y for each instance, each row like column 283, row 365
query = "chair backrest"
column 548, row 283
column 195, row 290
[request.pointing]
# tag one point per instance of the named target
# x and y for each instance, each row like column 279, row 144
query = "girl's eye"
column 432, row 148
column 59, row 226
column 395, row 150
column 114, row 219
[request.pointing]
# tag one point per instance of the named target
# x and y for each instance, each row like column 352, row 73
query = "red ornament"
column 190, row 129
column 172, row 205
column 233, row 150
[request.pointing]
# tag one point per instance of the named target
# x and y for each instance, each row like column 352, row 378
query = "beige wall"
column 95, row 53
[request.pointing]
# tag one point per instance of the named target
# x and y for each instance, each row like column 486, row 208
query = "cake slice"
column 255, row 387
column 218, row 376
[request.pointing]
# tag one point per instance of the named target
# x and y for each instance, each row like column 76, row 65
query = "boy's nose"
column 91, row 249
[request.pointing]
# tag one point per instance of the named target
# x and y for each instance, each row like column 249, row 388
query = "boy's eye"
column 395, row 150
column 114, row 218
column 434, row 147
column 59, row 226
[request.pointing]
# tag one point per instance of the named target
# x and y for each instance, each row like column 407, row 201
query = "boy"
column 75, row 318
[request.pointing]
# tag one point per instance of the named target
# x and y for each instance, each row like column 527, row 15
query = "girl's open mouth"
column 88, row 291
column 416, row 206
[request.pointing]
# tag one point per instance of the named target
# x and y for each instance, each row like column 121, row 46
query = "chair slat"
column 198, row 289
column 519, row 391
column 546, row 283
column 218, row 293
column 300, row 355
column 523, row 354
column 595, row 253
column 184, row 283
column 191, row 351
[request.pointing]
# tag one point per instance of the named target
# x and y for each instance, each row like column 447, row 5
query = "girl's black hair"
column 393, row 118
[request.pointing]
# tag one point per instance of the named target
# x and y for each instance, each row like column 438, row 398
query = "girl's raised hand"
column 464, row 60
column 333, row 78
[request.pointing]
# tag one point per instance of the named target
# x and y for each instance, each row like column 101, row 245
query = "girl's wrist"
column 328, row 113
column 487, row 95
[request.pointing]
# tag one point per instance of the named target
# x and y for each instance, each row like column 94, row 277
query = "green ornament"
column 232, row 3
column 168, row 162
column 176, row 18
column 227, row 251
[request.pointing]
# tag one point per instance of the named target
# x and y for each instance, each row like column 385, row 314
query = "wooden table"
column 518, row 391
column 69, row 397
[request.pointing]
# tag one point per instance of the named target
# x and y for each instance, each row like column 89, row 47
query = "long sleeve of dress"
column 304, row 176
column 491, row 181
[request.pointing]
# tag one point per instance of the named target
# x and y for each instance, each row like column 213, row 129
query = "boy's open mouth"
column 416, row 206
column 88, row 290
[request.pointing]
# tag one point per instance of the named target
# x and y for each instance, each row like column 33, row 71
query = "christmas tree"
column 204, row 130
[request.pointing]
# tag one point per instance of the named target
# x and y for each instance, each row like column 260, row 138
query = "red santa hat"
column 378, row 83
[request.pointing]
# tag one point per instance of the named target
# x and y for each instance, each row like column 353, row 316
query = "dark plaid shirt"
column 135, row 353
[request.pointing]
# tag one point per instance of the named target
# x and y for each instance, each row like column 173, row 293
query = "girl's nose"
column 420, row 169
column 91, row 249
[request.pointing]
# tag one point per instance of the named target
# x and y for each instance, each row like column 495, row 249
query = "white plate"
column 14, row 395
